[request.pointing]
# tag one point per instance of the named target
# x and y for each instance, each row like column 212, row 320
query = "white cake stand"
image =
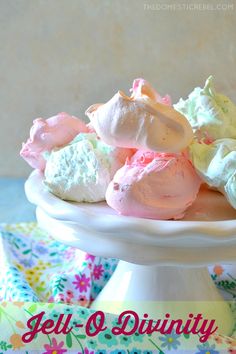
column 163, row 264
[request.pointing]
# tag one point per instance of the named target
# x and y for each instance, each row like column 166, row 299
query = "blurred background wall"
column 63, row 55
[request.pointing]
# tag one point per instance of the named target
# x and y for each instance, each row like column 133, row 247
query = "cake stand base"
column 158, row 290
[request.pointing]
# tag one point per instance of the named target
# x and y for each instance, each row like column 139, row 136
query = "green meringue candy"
column 230, row 190
column 211, row 115
column 80, row 171
column 216, row 165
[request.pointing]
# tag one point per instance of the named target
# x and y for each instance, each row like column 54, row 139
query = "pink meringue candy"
column 47, row 134
column 143, row 121
column 154, row 185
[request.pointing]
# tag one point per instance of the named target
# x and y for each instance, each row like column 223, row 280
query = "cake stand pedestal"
column 163, row 264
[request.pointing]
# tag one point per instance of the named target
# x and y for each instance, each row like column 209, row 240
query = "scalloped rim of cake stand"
column 95, row 228
column 103, row 219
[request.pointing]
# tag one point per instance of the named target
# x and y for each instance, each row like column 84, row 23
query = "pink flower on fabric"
column 81, row 283
column 69, row 253
column 231, row 351
column 89, row 256
column 69, row 300
column 54, row 347
column 83, row 301
column 69, row 293
column 86, row 351
column 61, row 297
column 98, row 271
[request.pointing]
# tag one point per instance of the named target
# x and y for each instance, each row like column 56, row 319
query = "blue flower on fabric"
column 137, row 337
column 54, row 315
column 56, row 261
column 106, row 337
column 83, row 312
column 96, row 289
column 106, row 276
column 74, row 323
column 12, row 271
column 125, row 340
column 23, row 287
column 206, row 348
column 107, row 265
column 91, row 343
column 14, row 253
column 119, row 351
column 135, row 351
column 41, row 249
column 27, row 263
column 113, row 268
column 68, row 310
column 170, row 341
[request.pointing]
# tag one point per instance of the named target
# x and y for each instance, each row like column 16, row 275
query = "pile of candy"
column 140, row 154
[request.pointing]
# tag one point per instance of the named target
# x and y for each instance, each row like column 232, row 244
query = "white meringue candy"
column 82, row 170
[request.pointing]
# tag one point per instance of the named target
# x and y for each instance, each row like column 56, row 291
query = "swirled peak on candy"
column 216, row 164
column 142, row 88
column 47, row 134
column 154, row 185
column 211, row 115
column 143, row 121
column 82, row 170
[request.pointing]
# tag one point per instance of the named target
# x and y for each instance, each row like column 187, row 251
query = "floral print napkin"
column 41, row 274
